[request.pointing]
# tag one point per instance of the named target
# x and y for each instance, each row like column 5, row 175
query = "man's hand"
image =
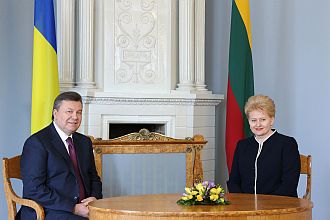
column 88, row 200
column 81, row 209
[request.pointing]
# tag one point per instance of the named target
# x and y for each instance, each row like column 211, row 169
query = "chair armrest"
column 32, row 204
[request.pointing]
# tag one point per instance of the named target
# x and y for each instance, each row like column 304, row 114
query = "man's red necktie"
column 73, row 157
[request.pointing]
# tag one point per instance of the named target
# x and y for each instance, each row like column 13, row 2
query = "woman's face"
column 260, row 124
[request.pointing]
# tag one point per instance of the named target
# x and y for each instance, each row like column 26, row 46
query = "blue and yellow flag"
column 45, row 84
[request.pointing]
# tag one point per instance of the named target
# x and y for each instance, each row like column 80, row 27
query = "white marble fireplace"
column 138, row 62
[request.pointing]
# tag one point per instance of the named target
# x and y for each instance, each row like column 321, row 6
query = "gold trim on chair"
column 306, row 168
column 145, row 142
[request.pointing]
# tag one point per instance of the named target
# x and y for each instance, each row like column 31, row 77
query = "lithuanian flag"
column 240, row 77
column 45, row 85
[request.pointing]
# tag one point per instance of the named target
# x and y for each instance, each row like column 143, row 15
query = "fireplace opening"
column 120, row 129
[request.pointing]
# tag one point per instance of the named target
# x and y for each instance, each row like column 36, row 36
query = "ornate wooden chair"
column 306, row 168
column 146, row 142
column 11, row 169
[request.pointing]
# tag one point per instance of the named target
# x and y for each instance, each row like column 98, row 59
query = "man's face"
column 68, row 116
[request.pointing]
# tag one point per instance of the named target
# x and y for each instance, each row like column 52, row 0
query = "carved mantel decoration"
column 136, row 40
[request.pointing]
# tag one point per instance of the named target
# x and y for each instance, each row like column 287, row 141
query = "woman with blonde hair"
column 268, row 162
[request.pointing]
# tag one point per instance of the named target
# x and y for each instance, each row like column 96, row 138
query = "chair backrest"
column 146, row 142
column 11, row 169
column 306, row 168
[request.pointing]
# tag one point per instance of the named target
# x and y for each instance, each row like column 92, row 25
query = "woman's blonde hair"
column 261, row 103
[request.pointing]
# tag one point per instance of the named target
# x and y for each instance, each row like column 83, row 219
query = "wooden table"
column 164, row 207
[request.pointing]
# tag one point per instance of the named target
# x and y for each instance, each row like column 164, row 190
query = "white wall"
column 16, row 38
column 291, row 55
column 291, row 52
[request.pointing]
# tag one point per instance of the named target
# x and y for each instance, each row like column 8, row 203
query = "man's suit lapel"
column 60, row 147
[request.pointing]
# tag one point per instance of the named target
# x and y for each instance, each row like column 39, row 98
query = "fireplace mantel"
column 138, row 61
column 194, row 100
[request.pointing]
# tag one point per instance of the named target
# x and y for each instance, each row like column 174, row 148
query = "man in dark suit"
column 57, row 165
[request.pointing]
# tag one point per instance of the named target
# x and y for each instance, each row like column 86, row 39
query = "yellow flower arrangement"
column 203, row 193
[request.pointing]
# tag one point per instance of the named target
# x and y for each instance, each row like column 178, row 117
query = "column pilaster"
column 200, row 45
column 186, row 45
column 65, row 21
column 85, row 65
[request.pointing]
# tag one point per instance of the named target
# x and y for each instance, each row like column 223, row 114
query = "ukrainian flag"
column 45, row 84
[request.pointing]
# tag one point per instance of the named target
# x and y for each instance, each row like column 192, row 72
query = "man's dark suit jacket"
column 48, row 175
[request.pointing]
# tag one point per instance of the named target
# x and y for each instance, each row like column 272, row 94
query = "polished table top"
column 165, row 205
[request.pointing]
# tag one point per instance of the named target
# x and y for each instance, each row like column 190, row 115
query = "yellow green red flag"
column 240, row 77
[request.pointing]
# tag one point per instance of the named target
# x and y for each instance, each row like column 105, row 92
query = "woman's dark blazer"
column 278, row 166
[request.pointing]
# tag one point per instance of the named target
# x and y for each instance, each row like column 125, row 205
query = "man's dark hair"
column 66, row 96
